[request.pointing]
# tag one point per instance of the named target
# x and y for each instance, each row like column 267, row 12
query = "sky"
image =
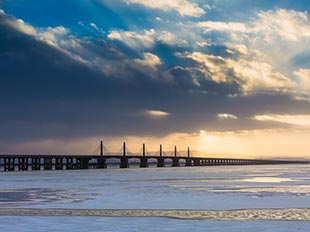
column 229, row 78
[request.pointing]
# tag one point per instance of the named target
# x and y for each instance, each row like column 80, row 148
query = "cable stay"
column 96, row 151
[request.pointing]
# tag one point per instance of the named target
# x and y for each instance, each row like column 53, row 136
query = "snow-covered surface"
column 195, row 188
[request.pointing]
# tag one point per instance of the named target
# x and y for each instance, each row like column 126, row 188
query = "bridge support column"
column 175, row 162
column 160, row 162
column 75, row 163
column 58, row 165
column 9, row 164
column 35, row 164
column 27, row 164
column 124, row 162
column 13, row 165
column 20, row 164
column 84, row 163
column 196, row 162
column 32, row 164
column 38, row 164
column 69, row 163
column 102, row 163
column 48, row 164
column 144, row 162
column 24, row 164
column 188, row 162
column 5, row 164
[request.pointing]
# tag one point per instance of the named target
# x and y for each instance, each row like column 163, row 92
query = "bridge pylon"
column 188, row 161
column 175, row 160
column 124, row 148
column 101, row 148
column 143, row 149
column 143, row 160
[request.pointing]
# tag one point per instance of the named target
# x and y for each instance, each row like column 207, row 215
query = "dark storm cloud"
column 44, row 93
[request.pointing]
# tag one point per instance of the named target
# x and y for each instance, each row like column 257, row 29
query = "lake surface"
column 188, row 192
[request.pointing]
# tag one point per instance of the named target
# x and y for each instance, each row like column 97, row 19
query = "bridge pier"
column 160, row 162
column 144, row 162
column 12, row 165
column 7, row 164
column 48, row 163
column 188, row 162
column 175, row 159
column 58, row 165
column 75, row 163
column 196, row 162
column 84, row 163
column 102, row 163
column 24, row 164
column 160, row 159
column 124, row 162
column 69, row 163
column 175, row 162
column 20, row 164
column 38, row 164
column 35, row 163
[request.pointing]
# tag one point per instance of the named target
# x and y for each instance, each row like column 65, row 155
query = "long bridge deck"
column 67, row 162
column 10, row 162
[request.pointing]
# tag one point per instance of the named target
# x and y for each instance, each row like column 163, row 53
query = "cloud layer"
column 152, row 68
column 183, row 7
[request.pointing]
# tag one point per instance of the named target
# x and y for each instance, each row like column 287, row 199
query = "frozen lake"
column 258, row 188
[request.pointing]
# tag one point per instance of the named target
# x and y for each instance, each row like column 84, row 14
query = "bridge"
column 100, row 158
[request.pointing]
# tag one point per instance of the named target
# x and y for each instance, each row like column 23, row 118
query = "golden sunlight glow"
column 271, row 143
column 227, row 116
column 298, row 120
column 157, row 113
